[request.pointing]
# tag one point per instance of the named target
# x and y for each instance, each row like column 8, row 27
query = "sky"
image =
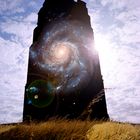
column 116, row 31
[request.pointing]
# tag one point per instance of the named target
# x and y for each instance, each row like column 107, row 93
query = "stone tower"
column 64, row 77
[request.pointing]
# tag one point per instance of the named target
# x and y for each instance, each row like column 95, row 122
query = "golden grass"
column 70, row 130
column 5, row 128
column 113, row 131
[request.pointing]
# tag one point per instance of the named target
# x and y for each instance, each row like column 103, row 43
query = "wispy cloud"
column 16, row 32
column 20, row 30
column 9, row 7
column 116, row 28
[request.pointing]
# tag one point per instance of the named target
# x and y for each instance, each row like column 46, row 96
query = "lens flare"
column 40, row 93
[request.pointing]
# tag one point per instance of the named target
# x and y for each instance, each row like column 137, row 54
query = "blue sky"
column 116, row 28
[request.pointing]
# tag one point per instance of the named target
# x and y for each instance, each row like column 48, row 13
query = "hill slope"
column 70, row 130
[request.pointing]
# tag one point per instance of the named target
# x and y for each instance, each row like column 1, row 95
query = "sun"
column 103, row 46
column 107, row 55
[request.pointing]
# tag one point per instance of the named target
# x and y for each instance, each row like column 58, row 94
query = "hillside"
column 70, row 130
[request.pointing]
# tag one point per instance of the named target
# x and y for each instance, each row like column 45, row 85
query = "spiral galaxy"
column 63, row 57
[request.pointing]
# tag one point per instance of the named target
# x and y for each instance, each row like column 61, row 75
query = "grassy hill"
column 60, row 129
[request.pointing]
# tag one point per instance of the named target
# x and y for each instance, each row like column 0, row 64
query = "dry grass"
column 70, row 130
column 5, row 128
column 113, row 131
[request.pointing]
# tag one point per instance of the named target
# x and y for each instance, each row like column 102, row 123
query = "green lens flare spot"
column 40, row 93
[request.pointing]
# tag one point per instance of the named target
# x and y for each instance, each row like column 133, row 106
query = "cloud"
column 116, row 29
column 9, row 7
column 120, row 5
column 13, row 76
column 31, row 18
column 130, row 21
column 121, row 105
column 15, row 39
column 20, row 30
column 35, row 5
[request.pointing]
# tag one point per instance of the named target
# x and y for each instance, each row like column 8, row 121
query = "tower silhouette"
column 64, row 77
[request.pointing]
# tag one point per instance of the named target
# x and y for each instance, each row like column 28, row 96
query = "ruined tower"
column 64, row 77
